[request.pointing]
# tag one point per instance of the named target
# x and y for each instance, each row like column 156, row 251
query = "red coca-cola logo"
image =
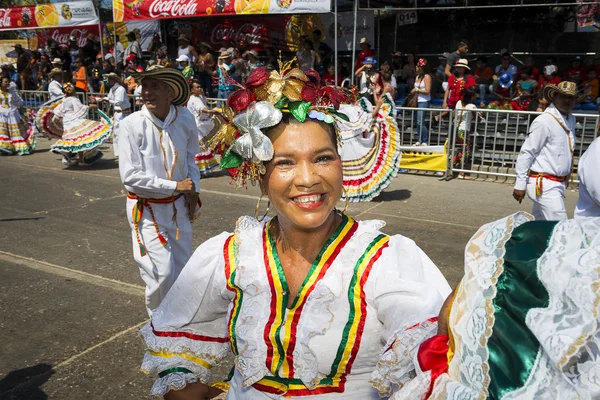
column 5, row 18
column 249, row 33
column 62, row 36
column 172, row 8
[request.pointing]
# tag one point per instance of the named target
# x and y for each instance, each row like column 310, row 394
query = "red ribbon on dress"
column 433, row 356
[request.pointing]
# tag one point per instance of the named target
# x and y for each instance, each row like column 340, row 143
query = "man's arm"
column 448, row 70
column 538, row 135
column 131, row 167
column 193, row 148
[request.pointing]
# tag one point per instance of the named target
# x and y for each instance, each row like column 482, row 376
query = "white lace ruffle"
column 396, row 365
column 174, row 380
column 256, row 306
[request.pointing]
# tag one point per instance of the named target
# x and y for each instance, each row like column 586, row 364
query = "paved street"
column 71, row 300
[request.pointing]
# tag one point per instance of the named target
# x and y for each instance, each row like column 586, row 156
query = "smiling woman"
column 310, row 302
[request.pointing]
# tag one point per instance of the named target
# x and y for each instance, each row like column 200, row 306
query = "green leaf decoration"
column 299, row 109
column 340, row 115
column 281, row 103
column 130, row 4
column 231, row 160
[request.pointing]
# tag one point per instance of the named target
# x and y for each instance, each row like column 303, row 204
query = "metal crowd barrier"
column 494, row 142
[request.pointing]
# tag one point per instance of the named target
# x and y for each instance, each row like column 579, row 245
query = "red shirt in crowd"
column 361, row 57
column 329, row 79
column 543, row 81
column 457, row 87
column 574, row 74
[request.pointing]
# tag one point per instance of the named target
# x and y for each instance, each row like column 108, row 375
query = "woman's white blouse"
column 352, row 331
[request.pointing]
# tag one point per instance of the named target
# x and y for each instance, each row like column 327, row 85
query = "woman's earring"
column 261, row 219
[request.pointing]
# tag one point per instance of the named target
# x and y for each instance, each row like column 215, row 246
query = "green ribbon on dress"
column 513, row 348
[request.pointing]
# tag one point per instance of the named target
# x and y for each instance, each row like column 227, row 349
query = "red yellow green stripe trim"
column 230, row 273
column 165, row 354
column 351, row 338
column 281, row 361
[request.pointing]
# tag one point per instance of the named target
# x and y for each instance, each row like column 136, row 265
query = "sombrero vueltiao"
column 565, row 87
column 171, row 77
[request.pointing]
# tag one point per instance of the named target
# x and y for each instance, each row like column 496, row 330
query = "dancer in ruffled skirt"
column 370, row 149
column 16, row 137
column 81, row 136
column 205, row 160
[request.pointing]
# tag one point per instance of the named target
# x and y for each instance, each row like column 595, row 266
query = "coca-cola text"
column 172, row 8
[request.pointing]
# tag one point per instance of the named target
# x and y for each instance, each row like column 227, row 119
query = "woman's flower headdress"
column 260, row 104
column 68, row 87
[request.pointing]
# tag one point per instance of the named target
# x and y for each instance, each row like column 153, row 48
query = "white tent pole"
column 335, row 40
column 100, row 33
column 354, row 38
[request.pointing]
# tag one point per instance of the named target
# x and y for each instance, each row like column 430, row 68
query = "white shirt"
column 55, row 90
column 588, row 204
column 119, row 50
column 71, row 109
column 154, row 155
column 546, row 149
column 134, row 47
column 204, row 124
column 185, row 51
column 511, row 70
column 464, row 115
column 117, row 96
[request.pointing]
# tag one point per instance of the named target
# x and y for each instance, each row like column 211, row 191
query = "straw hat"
column 364, row 40
column 254, row 53
column 183, row 37
column 463, row 62
column 224, row 55
column 204, row 44
column 565, row 87
column 57, row 61
column 396, row 54
column 171, row 77
column 55, row 71
column 112, row 75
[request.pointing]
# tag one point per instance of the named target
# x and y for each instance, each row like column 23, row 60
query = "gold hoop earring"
column 258, row 206
column 345, row 192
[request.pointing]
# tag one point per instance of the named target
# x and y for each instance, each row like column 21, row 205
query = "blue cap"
column 369, row 60
column 505, row 80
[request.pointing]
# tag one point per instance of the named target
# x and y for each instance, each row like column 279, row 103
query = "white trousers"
column 161, row 265
column 117, row 118
column 550, row 206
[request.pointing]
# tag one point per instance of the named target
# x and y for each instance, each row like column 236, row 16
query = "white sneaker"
column 483, row 121
column 408, row 130
column 424, row 144
column 504, row 121
column 417, row 144
column 578, row 125
column 521, row 136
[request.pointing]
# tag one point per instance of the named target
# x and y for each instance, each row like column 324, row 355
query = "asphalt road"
column 71, row 299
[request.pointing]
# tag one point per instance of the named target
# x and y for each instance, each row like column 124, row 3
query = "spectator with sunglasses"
column 506, row 66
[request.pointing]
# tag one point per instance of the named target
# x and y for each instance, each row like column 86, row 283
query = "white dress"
column 205, row 160
column 351, row 332
column 588, row 204
column 15, row 135
column 79, row 133
column 369, row 149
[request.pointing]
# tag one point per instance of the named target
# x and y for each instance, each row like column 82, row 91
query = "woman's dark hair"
column 425, row 69
column 289, row 119
column 131, row 36
column 527, row 70
column 195, row 81
column 469, row 96
column 82, row 61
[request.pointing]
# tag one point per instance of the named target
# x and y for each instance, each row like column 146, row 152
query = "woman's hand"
column 193, row 391
column 414, row 90
column 444, row 105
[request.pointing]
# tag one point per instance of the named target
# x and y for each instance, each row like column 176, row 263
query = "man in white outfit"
column 117, row 97
column 545, row 161
column 55, row 85
column 156, row 150
column 588, row 204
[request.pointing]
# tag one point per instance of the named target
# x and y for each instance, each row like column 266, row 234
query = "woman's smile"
column 309, row 201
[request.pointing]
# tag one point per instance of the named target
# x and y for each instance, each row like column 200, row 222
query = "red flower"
column 257, row 77
column 330, row 95
column 309, row 92
column 315, row 75
column 240, row 99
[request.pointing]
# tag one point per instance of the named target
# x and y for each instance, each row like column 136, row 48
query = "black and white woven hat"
column 171, row 77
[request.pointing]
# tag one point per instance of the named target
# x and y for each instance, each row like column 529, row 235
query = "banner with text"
column 144, row 30
column 278, row 32
column 62, row 35
column 72, row 13
column 135, row 10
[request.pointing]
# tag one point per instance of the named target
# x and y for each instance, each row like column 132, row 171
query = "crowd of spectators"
column 511, row 84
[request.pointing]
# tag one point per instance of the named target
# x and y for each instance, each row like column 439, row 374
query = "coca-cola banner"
column 279, row 32
column 72, row 13
column 132, row 10
column 62, row 35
